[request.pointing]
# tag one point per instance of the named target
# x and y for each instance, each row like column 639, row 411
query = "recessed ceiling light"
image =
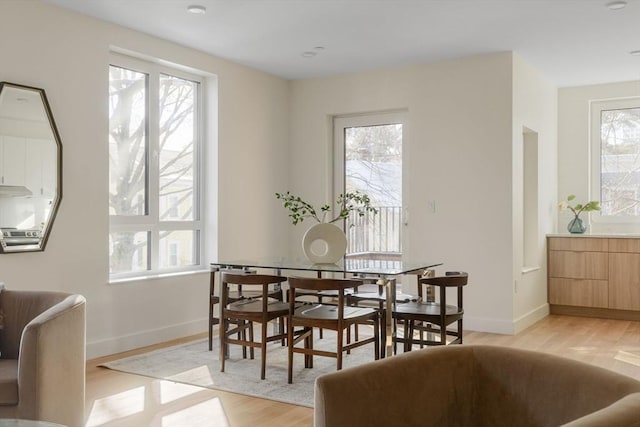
column 197, row 9
column 635, row 52
column 616, row 4
column 308, row 54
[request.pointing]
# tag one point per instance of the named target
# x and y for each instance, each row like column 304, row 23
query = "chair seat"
column 255, row 306
column 330, row 312
column 427, row 309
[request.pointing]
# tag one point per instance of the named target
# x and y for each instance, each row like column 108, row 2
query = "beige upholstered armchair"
column 480, row 386
column 42, row 361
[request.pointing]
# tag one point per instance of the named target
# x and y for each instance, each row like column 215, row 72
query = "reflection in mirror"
column 30, row 168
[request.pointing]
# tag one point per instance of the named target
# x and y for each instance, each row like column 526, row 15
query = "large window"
column 154, row 169
column 615, row 164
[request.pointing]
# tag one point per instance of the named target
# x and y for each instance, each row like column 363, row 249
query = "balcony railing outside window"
column 375, row 236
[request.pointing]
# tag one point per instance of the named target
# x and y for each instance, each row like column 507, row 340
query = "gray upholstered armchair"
column 42, row 364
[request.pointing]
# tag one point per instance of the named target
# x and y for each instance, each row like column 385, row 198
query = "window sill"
column 155, row 276
column 527, row 270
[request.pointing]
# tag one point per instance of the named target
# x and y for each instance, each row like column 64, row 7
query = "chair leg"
column 210, row 333
column 290, row 352
column 310, row 356
column 263, row 351
column 242, row 335
column 382, row 333
column 408, row 335
column 339, row 349
column 376, row 335
column 251, row 350
column 223, row 342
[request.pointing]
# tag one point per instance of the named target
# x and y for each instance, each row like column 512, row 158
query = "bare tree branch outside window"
column 620, row 162
column 130, row 160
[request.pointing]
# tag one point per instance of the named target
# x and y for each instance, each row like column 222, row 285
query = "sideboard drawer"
column 576, row 292
column 624, row 245
column 582, row 244
column 579, row 265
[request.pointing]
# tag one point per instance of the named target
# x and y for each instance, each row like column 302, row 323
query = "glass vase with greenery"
column 576, row 225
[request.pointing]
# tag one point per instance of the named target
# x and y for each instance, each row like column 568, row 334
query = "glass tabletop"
column 349, row 265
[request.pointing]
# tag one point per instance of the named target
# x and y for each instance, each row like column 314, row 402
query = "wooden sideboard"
column 594, row 276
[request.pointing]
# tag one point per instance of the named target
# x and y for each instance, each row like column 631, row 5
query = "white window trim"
column 595, row 109
column 144, row 223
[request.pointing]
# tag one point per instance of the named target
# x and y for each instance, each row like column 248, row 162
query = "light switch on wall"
column 432, row 206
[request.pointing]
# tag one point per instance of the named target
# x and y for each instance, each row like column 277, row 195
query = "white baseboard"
column 528, row 319
column 139, row 339
column 483, row 324
column 499, row 326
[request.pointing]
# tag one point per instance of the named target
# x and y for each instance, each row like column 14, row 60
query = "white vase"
column 324, row 244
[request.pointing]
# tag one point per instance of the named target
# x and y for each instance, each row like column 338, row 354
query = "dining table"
column 385, row 270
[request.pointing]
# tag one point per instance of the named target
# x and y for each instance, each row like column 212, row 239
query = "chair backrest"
column 215, row 269
column 19, row 308
column 251, row 279
column 451, row 279
column 323, row 284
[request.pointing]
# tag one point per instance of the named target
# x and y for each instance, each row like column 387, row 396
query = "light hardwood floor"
column 118, row 399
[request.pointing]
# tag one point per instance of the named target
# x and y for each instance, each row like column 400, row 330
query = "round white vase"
column 324, row 244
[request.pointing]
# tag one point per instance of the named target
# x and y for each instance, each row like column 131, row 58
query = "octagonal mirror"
column 30, row 168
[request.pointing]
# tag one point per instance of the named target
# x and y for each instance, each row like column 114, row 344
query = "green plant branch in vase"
column 346, row 203
column 576, row 225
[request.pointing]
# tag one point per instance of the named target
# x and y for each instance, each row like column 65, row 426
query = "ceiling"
column 571, row 42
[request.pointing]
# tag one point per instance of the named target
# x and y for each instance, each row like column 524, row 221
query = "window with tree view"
column 619, row 168
column 154, row 184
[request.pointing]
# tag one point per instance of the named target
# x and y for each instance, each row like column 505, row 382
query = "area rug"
column 192, row 363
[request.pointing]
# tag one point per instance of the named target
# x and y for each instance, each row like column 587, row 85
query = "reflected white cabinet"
column 13, row 161
column 27, row 161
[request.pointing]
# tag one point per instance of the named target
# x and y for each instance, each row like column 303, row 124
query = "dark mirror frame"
column 55, row 204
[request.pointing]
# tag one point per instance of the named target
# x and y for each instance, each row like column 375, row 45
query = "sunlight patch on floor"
column 208, row 413
column 117, row 406
column 625, row 356
column 201, row 373
column 170, row 392
column 584, row 349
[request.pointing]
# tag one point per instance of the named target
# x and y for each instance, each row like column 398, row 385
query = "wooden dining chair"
column 234, row 295
column 339, row 317
column 433, row 317
column 239, row 316
column 373, row 292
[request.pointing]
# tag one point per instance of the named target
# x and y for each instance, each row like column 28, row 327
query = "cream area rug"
column 192, row 363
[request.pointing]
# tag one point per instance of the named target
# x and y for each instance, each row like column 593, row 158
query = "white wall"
column 460, row 139
column 574, row 146
column 67, row 54
column 534, row 108
column 273, row 136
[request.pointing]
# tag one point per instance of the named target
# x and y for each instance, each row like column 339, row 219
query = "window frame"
column 595, row 139
column 151, row 223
